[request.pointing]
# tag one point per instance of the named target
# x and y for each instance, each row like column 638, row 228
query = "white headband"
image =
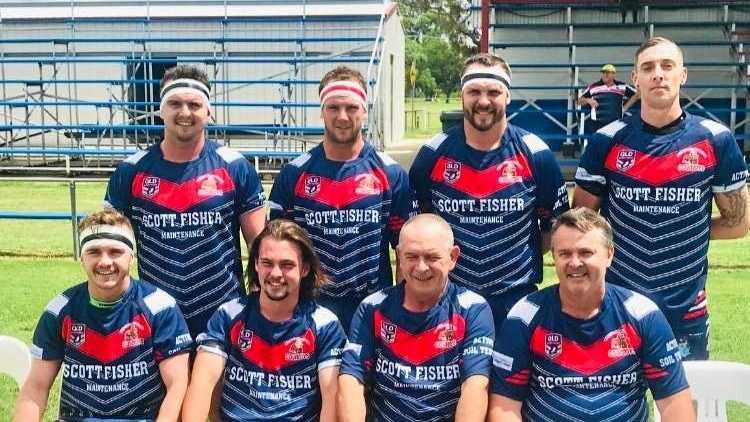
column 349, row 89
column 185, row 86
column 99, row 234
column 494, row 75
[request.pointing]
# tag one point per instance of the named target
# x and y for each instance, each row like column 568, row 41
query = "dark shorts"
column 692, row 338
column 501, row 304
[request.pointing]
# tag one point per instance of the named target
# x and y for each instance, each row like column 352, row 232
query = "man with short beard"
column 496, row 184
column 351, row 198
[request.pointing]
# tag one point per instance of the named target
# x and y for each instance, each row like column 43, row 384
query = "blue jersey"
column 186, row 221
column 416, row 362
column 567, row 369
column 110, row 357
column 352, row 211
column 272, row 368
column 610, row 99
column 656, row 189
column 497, row 202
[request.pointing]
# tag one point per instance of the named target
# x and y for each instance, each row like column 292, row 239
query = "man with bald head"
column 424, row 346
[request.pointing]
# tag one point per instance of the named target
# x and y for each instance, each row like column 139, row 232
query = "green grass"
column 428, row 113
column 29, row 281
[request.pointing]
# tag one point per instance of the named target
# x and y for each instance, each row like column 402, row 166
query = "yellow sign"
column 413, row 73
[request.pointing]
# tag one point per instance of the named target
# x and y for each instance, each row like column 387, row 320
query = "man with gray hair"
column 424, row 346
column 586, row 350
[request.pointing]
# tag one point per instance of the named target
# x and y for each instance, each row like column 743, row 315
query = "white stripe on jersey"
column 523, row 310
column 502, row 361
column 353, row 347
column 275, row 206
column 228, row 154
column 534, row 143
column 611, row 129
column 301, row 160
column 639, row 306
column 468, row 298
column 159, row 301
column 56, row 304
column 212, row 349
column 329, row 363
column 375, row 299
column 323, row 316
column 135, row 158
column 36, row 351
column 232, row 308
column 436, row 141
column 583, row 174
column 729, row 188
column 715, row 127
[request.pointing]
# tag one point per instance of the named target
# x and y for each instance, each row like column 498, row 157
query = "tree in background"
column 439, row 38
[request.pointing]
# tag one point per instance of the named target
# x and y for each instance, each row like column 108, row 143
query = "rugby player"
column 188, row 198
column 586, row 350
column 119, row 341
column 351, row 198
column 275, row 355
column 424, row 346
column 496, row 184
column 654, row 177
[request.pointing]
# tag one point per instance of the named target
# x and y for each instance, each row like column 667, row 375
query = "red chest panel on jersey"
column 182, row 196
column 110, row 347
column 481, row 183
column 419, row 348
column 340, row 193
column 272, row 357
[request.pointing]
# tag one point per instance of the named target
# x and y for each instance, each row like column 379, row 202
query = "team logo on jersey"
column 388, row 332
column 77, row 334
column 552, row 345
column 619, row 345
column 452, row 171
column 131, row 335
column 625, row 159
column 446, row 338
column 509, row 172
column 245, row 341
column 367, row 184
column 209, row 185
column 296, row 351
column 691, row 160
column 150, row 186
column 312, row 185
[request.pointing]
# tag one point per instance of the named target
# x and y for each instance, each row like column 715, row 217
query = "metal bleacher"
column 556, row 49
column 79, row 80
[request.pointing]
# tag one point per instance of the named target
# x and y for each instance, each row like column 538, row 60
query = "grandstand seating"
column 577, row 37
column 85, row 76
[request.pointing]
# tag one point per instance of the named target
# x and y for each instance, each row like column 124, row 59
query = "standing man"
column 654, row 177
column 121, row 342
column 606, row 97
column 424, row 346
column 188, row 198
column 585, row 350
column 497, row 185
column 351, row 198
column 276, row 353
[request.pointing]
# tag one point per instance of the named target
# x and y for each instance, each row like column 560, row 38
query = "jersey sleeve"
column 281, row 199
column 629, row 91
column 419, row 176
column 250, row 194
column 587, row 92
column 511, row 361
column 216, row 337
column 477, row 352
column 662, row 366
column 330, row 338
column 170, row 332
column 590, row 174
column 359, row 352
column 118, row 193
column 731, row 170
column 403, row 203
column 552, row 194
column 48, row 342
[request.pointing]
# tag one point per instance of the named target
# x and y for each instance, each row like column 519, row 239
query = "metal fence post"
column 74, row 218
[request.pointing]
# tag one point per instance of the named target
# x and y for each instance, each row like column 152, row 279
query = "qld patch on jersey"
column 553, row 345
column 388, row 332
column 245, row 340
column 77, row 334
column 625, row 160
column 451, row 171
column 150, row 186
column 312, row 185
